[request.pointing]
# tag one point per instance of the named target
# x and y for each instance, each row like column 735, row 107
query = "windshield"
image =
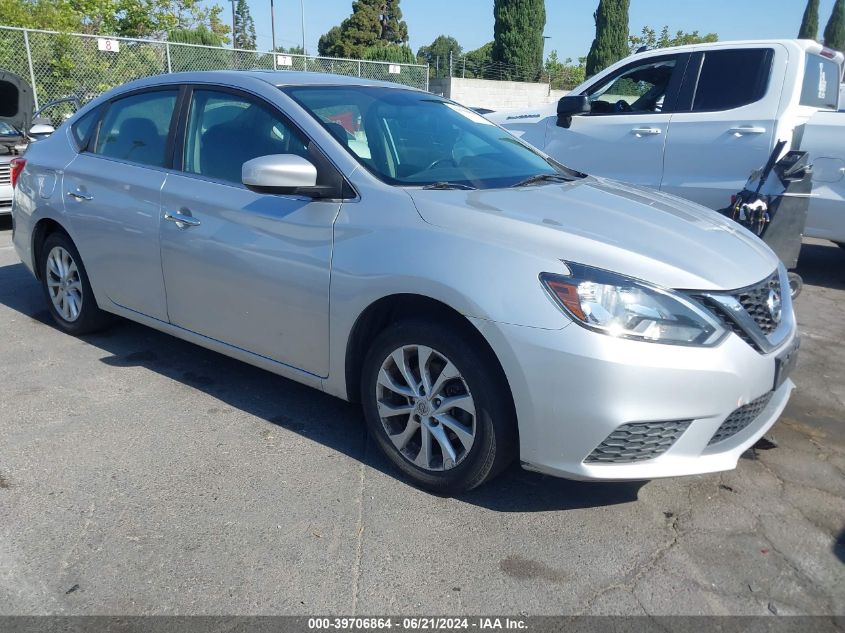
column 414, row 138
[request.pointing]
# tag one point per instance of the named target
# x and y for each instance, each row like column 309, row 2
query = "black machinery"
column 773, row 205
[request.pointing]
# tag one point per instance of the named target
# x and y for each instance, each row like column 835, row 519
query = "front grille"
column 754, row 300
column 740, row 419
column 638, row 441
column 5, row 177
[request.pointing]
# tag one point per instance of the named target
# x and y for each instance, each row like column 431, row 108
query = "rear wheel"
column 67, row 289
column 437, row 406
column 840, row 244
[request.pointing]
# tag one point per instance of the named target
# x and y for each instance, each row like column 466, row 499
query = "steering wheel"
column 441, row 160
column 622, row 106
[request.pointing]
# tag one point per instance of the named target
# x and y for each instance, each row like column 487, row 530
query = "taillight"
column 16, row 166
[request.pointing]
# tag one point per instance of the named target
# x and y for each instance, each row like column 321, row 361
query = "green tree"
column 834, row 32
column 518, row 37
column 390, row 53
column 439, row 51
column 244, row 32
column 810, row 22
column 199, row 35
column 650, row 38
column 129, row 18
column 477, row 61
column 564, row 75
column 394, row 30
column 611, row 41
column 373, row 23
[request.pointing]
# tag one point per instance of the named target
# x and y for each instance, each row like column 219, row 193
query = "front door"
column 624, row 135
column 248, row 269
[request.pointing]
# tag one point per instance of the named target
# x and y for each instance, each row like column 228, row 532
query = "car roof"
column 278, row 78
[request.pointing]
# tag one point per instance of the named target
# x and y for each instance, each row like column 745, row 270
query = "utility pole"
column 302, row 12
column 273, row 25
column 233, row 23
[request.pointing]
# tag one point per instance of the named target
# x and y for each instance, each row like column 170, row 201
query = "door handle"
column 78, row 195
column 182, row 221
column 646, row 131
column 747, row 129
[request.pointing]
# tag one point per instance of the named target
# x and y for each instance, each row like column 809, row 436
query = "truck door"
column 624, row 134
column 725, row 126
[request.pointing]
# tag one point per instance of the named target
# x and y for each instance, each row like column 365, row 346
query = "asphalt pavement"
column 140, row 474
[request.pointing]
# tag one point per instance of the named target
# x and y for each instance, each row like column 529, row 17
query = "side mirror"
column 570, row 106
column 283, row 174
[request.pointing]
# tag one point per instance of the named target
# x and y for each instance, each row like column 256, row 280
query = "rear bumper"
column 572, row 388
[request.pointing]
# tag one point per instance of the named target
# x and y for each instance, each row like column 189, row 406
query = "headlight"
column 621, row 306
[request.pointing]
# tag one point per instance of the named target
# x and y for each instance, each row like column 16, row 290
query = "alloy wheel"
column 426, row 407
column 64, row 284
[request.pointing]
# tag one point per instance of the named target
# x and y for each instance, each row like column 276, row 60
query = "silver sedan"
column 391, row 247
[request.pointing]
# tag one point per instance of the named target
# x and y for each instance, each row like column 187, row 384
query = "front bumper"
column 572, row 388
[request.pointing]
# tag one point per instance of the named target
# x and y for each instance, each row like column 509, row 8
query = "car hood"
column 18, row 101
column 638, row 232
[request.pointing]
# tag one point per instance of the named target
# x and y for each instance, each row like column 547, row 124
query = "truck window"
column 821, row 83
column 732, row 78
column 636, row 89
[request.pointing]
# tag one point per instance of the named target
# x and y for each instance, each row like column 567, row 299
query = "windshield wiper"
column 539, row 178
column 449, row 185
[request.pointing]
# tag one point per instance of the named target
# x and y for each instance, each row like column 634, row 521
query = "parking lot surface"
column 140, row 474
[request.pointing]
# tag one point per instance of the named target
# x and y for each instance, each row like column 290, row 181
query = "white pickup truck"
column 697, row 120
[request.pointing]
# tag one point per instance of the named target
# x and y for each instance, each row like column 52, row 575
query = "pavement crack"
column 359, row 532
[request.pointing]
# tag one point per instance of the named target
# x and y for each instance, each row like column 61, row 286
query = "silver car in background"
column 391, row 247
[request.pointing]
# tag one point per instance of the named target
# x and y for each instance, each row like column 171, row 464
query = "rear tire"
column 66, row 288
column 840, row 245
column 450, row 430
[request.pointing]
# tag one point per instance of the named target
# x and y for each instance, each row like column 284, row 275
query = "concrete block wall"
column 495, row 95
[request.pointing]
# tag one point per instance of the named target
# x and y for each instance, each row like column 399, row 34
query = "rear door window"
column 732, row 78
column 135, row 128
column 821, row 83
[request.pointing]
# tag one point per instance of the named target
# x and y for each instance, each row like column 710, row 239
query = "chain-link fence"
column 62, row 64
column 560, row 76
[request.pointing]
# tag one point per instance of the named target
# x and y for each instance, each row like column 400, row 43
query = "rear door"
column 623, row 137
column 725, row 125
column 113, row 194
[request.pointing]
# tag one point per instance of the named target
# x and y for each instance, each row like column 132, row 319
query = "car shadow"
column 822, row 264
column 319, row 417
column 839, row 547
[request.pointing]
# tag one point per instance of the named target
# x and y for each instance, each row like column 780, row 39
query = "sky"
column 569, row 23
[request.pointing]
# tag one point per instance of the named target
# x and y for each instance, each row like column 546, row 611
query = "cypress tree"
column 834, row 32
column 518, row 37
column 611, row 42
column 244, row 34
column 810, row 22
column 394, row 30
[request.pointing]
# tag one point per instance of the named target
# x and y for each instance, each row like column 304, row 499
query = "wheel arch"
column 43, row 229
column 383, row 312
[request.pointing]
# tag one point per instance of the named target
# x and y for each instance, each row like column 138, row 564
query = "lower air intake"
column 740, row 419
column 638, row 442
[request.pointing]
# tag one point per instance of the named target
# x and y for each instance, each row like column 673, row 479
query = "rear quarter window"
column 83, row 127
column 821, row 83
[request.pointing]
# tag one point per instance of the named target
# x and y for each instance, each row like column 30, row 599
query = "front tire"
column 438, row 406
column 67, row 289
